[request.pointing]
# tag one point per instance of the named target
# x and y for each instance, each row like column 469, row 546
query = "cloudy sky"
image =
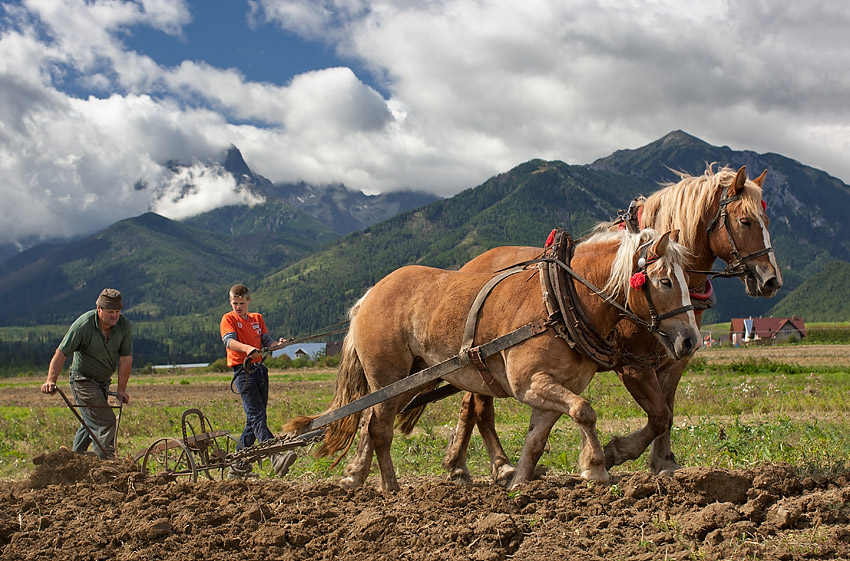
column 435, row 95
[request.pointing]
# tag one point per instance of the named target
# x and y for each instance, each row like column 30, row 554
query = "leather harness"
column 566, row 316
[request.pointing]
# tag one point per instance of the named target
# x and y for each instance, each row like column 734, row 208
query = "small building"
column 309, row 351
column 766, row 330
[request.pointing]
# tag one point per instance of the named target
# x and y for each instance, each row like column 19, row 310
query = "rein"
column 651, row 326
column 593, row 344
column 266, row 352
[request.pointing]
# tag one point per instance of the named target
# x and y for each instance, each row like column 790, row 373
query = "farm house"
column 766, row 330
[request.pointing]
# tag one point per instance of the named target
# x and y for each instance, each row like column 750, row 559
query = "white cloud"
column 199, row 188
column 471, row 88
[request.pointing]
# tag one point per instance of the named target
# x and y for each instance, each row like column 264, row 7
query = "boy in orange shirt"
column 244, row 334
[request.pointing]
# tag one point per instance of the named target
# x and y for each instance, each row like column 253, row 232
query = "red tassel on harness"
column 764, row 205
column 551, row 239
column 638, row 280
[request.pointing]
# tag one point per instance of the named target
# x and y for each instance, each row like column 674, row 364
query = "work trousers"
column 91, row 395
column 253, row 386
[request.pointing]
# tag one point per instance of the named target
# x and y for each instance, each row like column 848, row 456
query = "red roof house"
column 744, row 330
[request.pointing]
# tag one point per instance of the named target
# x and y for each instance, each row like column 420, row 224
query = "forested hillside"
column 824, row 297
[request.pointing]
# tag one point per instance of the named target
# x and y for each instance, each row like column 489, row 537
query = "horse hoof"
column 597, row 475
column 348, row 483
column 666, row 470
column 461, row 479
column 504, row 475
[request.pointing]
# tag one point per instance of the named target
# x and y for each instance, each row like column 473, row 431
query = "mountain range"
column 309, row 252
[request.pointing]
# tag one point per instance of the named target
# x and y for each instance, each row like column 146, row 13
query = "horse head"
column 739, row 235
column 658, row 293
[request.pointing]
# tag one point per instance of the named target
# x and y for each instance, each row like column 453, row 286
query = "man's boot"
column 240, row 470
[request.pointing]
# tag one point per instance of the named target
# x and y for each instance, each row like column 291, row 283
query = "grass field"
column 735, row 408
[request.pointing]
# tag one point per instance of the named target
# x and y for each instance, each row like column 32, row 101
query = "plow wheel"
column 170, row 459
column 214, row 463
column 210, row 447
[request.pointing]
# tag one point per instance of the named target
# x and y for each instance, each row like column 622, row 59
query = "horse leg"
column 549, row 399
column 455, row 458
column 661, row 458
column 358, row 467
column 477, row 410
column 501, row 469
column 644, row 387
column 381, row 431
column 542, row 421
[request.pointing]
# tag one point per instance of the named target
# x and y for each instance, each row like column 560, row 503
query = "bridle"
column 656, row 319
column 734, row 268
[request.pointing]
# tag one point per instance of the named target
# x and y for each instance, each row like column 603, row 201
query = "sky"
column 96, row 96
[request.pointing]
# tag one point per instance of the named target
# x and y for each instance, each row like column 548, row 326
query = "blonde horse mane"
column 681, row 206
column 621, row 267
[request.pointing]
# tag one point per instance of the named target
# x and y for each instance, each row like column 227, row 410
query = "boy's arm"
column 268, row 340
column 236, row 345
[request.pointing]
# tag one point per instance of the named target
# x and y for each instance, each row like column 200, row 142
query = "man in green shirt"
column 101, row 341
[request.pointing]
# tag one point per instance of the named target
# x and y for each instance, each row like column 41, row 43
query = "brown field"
column 77, row 507
column 834, row 355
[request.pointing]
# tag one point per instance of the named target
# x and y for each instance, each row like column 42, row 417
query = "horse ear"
column 760, row 179
column 661, row 245
column 738, row 184
column 674, row 235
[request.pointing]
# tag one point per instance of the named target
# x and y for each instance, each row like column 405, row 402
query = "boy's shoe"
column 282, row 462
column 240, row 471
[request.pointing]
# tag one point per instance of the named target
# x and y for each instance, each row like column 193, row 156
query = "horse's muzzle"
column 762, row 286
column 680, row 340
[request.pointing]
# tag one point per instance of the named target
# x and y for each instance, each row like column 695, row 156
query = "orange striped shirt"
column 249, row 331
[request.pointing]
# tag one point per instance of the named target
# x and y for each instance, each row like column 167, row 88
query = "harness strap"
column 653, row 313
column 474, row 354
column 470, row 355
column 475, row 309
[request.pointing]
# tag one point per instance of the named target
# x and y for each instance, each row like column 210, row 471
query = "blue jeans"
column 97, row 414
column 253, row 386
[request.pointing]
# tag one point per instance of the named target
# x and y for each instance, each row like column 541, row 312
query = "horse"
column 414, row 318
column 720, row 215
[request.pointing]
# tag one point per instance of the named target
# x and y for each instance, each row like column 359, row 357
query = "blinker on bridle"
column 638, row 280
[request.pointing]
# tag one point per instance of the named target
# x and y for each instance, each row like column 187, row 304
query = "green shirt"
column 96, row 357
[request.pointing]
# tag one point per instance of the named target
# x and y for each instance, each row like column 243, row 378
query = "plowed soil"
column 75, row 507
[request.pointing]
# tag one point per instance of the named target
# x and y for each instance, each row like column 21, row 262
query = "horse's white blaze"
column 771, row 256
column 686, row 298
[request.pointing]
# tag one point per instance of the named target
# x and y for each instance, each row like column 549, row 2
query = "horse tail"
column 351, row 384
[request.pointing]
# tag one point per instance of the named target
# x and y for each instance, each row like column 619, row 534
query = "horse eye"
column 745, row 221
column 666, row 283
